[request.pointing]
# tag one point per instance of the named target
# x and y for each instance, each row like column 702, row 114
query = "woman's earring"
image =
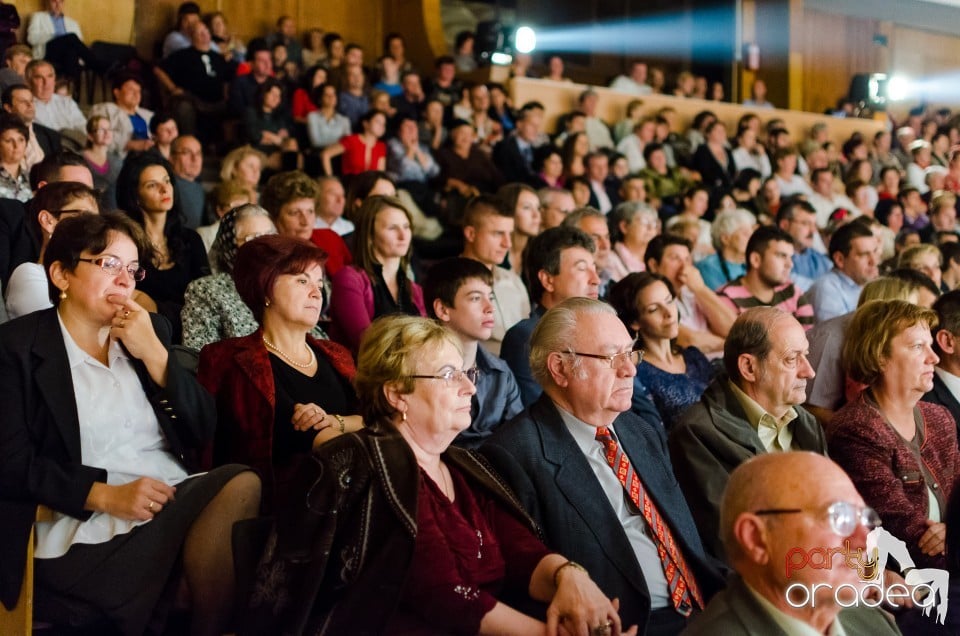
column 403, row 416
column 266, row 303
column 63, row 294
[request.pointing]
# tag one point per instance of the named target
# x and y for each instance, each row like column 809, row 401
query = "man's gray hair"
column 573, row 219
column 555, row 332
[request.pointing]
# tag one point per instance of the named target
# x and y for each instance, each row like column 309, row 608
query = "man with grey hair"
column 762, row 526
column 555, row 204
column 597, row 479
column 593, row 223
column 753, row 408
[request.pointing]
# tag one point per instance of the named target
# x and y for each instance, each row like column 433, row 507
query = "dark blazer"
column 238, row 373
column 612, row 188
column 40, row 461
column 12, row 239
column 345, row 536
column 941, row 395
column 735, row 612
column 48, row 139
column 542, row 463
column 511, row 163
column 712, row 438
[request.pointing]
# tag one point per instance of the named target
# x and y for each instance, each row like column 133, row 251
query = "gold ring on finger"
column 152, row 504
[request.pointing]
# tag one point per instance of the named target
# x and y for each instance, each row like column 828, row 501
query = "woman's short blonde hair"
column 886, row 288
column 912, row 255
column 390, row 349
column 228, row 169
column 866, row 344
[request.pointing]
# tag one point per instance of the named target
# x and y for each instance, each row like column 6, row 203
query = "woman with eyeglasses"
column 393, row 530
column 212, row 308
column 675, row 377
column 280, row 392
column 146, row 192
column 99, row 431
column 26, row 291
column 901, row 453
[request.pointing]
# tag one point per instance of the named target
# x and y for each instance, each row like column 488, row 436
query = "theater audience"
column 900, row 453
column 674, row 377
column 593, row 223
column 634, row 225
column 114, row 493
column 268, row 128
column 244, row 165
column 146, row 193
column 103, row 163
column 578, row 458
column 14, row 181
column 751, row 409
column 212, row 308
column 279, row 391
column 41, row 141
column 225, row 196
column 853, row 250
column 763, row 520
column 559, row 264
column 129, row 121
column 704, row 318
column 361, row 151
column 458, row 292
column 186, row 160
column 379, row 282
column 945, row 344
column 730, row 232
column 767, row 282
column 415, row 398
column 325, row 125
column 27, row 290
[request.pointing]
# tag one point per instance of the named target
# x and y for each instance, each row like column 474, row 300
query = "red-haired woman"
column 279, row 391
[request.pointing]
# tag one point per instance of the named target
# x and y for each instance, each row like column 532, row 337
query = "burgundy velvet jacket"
column 886, row 473
column 237, row 372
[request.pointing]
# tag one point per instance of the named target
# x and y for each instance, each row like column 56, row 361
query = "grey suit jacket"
column 735, row 611
column 710, row 440
column 542, row 463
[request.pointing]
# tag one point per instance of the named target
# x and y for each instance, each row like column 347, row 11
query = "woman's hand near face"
column 131, row 325
column 138, row 500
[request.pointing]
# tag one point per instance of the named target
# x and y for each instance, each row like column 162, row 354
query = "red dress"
column 469, row 553
column 354, row 156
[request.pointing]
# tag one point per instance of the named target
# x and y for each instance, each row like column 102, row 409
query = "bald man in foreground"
column 773, row 505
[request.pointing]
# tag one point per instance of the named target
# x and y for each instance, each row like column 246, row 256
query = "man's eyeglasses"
column 452, row 376
column 113, row 265
column 634, row 355
column 843, row 516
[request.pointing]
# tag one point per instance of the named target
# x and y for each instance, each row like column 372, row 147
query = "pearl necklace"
column 299, row 365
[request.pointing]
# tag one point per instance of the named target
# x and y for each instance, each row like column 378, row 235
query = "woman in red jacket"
column 279, row 391
column 901, row 453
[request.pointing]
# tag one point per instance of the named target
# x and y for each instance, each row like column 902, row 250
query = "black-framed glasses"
column 843, row 516
column 452, row 376
column 113, row 265
column 634, row 355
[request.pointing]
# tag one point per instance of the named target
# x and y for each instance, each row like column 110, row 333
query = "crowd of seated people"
column 317, row 294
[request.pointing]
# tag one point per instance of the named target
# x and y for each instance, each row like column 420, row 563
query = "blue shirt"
column 712, row 270
column 352, row 107
column 515, row 351
column 808, row 266
column 834, row 294
column 496, row 401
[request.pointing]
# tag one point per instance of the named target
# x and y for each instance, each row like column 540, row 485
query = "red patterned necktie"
column 684, row 593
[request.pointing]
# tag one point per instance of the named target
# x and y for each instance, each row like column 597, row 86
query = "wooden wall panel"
column 106, row 20
column 833, row 49
column 922, row 54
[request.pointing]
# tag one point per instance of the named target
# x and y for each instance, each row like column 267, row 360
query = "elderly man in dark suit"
column 597, row 478
column 753, row 408
column 761, row 524
column 946, row 342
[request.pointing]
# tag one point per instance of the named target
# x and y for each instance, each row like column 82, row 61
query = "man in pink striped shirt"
column 769, row 260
